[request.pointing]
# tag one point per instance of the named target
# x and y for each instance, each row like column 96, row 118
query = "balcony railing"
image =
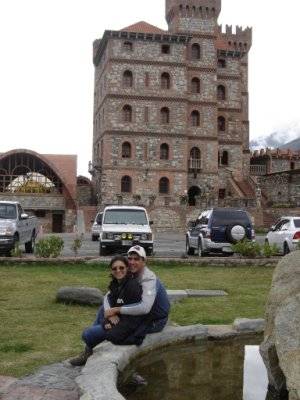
column 258, row 170
column 195, row 164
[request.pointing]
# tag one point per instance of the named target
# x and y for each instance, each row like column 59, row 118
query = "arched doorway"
column 193, row 192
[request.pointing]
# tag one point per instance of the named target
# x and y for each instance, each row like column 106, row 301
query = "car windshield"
column 297, row 223
column 136, row 217
column 225, row 217
column 8, row 211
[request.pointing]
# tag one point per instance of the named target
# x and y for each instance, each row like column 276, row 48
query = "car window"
column 7, row 211
column 280, row 224
column 125, row 216
column 285, row 226
column 297, row 223
column 225, row 217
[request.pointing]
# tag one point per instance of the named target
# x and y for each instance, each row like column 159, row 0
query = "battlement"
column 241, row 39
column 203, row 9
column 276, row 153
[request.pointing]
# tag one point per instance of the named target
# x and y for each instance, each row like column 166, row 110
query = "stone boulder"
column 281, row 347
column 80, row 295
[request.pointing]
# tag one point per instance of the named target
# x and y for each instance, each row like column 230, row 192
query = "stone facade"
column 171, row 110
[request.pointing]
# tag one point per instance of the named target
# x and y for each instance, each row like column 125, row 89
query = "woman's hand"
column 114, row 320
column 111, row 312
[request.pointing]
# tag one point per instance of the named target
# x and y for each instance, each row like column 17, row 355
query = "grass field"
column 35, row 330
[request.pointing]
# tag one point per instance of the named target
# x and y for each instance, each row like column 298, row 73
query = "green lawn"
column 35, row 330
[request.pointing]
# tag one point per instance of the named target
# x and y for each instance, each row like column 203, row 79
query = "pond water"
column 210, row 370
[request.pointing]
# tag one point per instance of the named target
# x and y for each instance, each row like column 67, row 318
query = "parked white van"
column 124, row 226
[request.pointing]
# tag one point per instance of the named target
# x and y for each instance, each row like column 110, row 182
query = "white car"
column 285, row 234
column 16, row 227
column 124, row 226
column 96, row 227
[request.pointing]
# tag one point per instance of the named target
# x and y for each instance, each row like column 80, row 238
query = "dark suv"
column 216, row 230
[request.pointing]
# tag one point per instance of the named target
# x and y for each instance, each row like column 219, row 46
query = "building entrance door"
column 57, row 223
column 192, row 193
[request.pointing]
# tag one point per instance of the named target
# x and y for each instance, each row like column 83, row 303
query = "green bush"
column 77, row 243
column 247, row 248
column 269, row 250
column 16, row 251
column 50, row 246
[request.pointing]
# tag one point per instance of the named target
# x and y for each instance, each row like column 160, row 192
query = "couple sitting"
column 136, row 304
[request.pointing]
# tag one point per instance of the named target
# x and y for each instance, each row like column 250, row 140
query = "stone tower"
column 171, row 111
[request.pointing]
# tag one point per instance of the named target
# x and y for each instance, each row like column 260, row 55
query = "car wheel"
column 149, row 252
column 189, row 251
column 102, row 250
column 29, row 246
column 286, row 249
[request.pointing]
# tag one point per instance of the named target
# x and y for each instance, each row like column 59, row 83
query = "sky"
column 47, row 74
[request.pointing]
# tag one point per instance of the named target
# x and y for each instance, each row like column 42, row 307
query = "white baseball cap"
column 138, row 250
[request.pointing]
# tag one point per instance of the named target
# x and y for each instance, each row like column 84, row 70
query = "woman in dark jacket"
column 124, row 289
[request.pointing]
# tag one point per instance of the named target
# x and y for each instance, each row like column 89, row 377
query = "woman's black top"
column 127, row 291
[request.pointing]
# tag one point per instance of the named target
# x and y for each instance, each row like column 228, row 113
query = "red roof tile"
column 143, row 27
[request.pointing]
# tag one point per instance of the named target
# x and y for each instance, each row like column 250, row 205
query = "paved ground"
column 167, row 244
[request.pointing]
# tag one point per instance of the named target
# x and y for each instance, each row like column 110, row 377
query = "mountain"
column 286, row 137
column 293, row 145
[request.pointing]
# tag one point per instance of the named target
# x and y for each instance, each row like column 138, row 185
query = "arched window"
column 195, row 85
column 221, row 124
column 126, row 184
column 195, row 159
column 164, row 186
column 127, row 79
column 195, row 51
column 127, row 113
column 195, row 118
column 127, row 46
column 126, row 150
column 221, row 92
column 164, row 115
column 165, row 81
column 164, row 151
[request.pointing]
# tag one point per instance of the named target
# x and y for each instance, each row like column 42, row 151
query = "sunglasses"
column 121, row 268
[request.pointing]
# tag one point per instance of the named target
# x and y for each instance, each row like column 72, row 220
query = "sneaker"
column 82, row 358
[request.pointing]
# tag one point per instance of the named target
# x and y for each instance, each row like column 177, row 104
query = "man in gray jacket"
column 154, row 304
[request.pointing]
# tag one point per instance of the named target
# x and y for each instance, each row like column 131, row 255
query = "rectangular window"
column 147, row 79
column 221, row 63
column 146, row 114
column 165, row 49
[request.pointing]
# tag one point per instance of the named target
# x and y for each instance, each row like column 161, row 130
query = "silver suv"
column 217, row 229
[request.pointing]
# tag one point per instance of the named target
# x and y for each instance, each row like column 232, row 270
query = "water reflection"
column 220, row 370
column 255, row 375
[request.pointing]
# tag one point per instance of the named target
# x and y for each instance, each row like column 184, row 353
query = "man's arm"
column 106, row 304
column 148, row 298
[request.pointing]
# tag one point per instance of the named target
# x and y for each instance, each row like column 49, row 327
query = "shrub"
column 50, row 246
column 269, row 250
column 247, row 248
column 16, row 251
column 77, row 243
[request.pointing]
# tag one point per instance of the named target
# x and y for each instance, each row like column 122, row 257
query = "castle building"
column 171, row 119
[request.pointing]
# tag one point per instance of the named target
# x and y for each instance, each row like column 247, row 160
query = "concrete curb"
column 198, row 262
column 98, row 379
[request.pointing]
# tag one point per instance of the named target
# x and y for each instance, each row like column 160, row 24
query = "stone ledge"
column 98, row 380
column 198, row 262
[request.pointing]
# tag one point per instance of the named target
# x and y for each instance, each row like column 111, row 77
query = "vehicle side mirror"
column 191, row 224
column 151, row 222
column 92, row 221
column 272, row 228
column 24, row 216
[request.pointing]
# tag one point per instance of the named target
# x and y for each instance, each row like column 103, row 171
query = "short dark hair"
column 118, row 258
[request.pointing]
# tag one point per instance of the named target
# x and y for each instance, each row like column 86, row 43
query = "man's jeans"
column 96, row 334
